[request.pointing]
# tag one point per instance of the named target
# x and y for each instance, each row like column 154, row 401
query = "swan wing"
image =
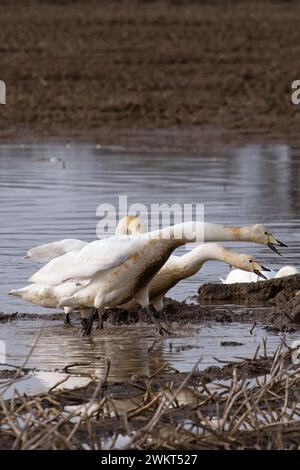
column 53, row 273
column 85, row 264
column 49, row 251
column 102, row 255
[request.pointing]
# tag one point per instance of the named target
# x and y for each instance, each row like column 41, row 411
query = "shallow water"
column 41, row 382
column 133, row 350
column 52, row 192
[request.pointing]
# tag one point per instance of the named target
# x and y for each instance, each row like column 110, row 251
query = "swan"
column 178, row 268
column 237, row 276
column 44, row 253
column 59, row 269
column 40, row 293
column 121, row 269
column 286, row 271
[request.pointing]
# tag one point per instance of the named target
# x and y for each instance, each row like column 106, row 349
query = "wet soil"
column 154, row 74
column 275, row 304
column 277, row 301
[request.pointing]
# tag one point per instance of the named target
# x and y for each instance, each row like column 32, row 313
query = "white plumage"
column 237, row 276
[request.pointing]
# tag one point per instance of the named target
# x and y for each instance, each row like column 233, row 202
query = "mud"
column 275, row 304
column 156, row 74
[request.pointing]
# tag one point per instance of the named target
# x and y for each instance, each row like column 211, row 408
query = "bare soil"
column 151, row 74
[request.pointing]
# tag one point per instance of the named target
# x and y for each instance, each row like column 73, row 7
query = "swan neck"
column 194, row 259
column 200, row 232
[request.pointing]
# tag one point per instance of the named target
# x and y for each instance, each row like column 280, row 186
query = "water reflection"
column 133, row 351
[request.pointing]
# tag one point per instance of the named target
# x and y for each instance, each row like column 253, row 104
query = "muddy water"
column 133, row 350
column 52, row 192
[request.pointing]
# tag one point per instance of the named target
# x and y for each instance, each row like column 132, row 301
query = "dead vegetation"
column 250, row 404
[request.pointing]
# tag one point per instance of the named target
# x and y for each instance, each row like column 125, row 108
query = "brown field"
column 188, row 73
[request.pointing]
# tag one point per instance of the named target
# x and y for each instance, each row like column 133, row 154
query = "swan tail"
column 222, row 280
column 38, row 254
column 16, row 293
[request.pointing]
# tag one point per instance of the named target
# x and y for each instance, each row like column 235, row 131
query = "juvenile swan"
column 178, row 268
column 121, row 269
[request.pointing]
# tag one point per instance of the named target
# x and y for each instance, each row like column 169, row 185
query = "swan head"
column 248, row 263
column 260, row 234
column 130, row 225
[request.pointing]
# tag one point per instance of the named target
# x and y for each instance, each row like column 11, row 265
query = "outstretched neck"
column 201, row 232
column 217, row 232
column 194, row 259
column 197, row 232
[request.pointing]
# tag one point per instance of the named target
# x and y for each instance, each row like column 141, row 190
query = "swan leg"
column 87, row 329
column 163, row 316
column 160, row 328
column 67, row 320
column 101, row 320
column 160, row 312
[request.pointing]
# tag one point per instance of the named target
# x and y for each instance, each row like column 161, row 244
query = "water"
column 52, row 192
column 41, row 382
column 131, row 351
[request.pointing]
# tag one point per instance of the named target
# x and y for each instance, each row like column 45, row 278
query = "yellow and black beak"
column 259, row 274
column 258, row 268
column 272, row 244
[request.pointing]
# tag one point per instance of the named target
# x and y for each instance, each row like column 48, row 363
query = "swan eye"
column 266, row 233
column 250, row 261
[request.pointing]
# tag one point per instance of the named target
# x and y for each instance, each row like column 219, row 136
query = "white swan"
column 178, row 268
column 40, row 293
column 286, row 271
column 237, row 276
column 59, row 269
column 121, row 269
column 44, row 253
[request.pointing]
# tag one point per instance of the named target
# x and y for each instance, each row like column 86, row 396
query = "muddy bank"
column 264, row 292
column 157, row 74
column 275, row 304
column 277, row 300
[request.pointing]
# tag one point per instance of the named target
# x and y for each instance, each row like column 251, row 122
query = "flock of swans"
column 133, row 268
